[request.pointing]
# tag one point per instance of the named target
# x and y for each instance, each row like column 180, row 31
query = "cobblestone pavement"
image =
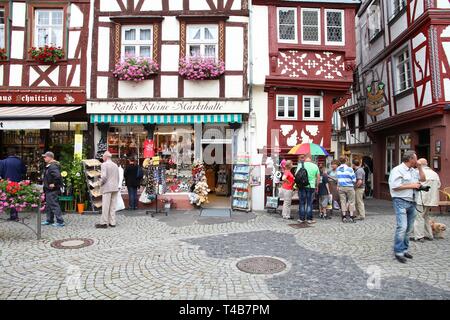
column 184, row 256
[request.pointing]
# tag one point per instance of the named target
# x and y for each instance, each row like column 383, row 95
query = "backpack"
column 301, row 177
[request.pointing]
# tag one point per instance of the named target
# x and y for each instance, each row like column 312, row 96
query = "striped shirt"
column 346, row 176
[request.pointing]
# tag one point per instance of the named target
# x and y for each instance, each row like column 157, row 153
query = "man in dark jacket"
column 13, row 169
column 133, row 177
column 52, row 188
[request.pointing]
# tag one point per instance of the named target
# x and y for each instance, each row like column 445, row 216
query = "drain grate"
column 73, row 243
column 261, row 265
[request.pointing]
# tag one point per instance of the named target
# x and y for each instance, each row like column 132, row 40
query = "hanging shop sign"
column 167, row 107
column 24, row 124
column 375, row 99
column 42, row 98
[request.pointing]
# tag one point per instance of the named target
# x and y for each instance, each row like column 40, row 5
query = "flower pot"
column 80, row 208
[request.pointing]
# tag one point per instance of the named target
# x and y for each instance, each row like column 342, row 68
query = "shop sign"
column 42, row 98
column 167, row 107
column 375, row 99
column 24, row 124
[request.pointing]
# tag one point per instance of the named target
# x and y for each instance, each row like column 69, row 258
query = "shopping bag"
column 144, row 198
column 272, row 202
column 330, row 202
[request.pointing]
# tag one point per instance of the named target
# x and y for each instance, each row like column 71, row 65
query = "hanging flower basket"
column 47, row 54
column 199, row 68
column 3, row 55
column 22, row 196
column 135, row 68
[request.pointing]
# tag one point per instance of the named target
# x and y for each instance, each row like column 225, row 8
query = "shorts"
column 323, row 201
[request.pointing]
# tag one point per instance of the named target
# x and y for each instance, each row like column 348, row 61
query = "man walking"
column 307, row 190
column 403, row 181
column 359, row 190
column 13, row 169
column 346, row 185
column 52, row 189
column 425, row 201
column 109, row 182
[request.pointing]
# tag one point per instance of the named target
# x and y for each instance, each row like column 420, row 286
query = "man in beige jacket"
column 109, row 182
column 425, row 201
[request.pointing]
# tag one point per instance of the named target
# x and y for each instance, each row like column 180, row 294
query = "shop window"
column 312, row 108
column 2, row 28
column 310, row 26
column 390, row 154
column 137, row 41
column 403, row 70
column 202, row 41
column 374, row 19
column 334, row 29
column 286, row 107
column 48, row 27
column 404, row 143
column 396, row 6
column 287, row 25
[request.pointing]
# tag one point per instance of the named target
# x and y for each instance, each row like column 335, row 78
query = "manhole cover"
column 261, row 265
column 299, row 225
column 75, row 243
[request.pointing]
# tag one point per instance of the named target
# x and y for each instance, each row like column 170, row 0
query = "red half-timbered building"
column 42, row 100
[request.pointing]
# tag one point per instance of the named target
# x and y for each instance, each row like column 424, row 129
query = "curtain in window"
column 130, row 34
column 145, row 34
column 194, row 33
column 145, row 51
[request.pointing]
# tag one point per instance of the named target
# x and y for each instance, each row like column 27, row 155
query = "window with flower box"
column 2, row 28
column 334, row 28
column 137, row 41
column 48, row 27
column 287, row 25
column 202, row 40
column 310, row 20
column 312, row 108
column 286, row 107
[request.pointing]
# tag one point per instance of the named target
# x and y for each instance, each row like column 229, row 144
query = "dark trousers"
column 13, row 214
column 132, row 197
column 52, row 207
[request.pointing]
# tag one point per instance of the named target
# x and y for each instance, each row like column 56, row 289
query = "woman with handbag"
column 287, row 190
column 133, row 175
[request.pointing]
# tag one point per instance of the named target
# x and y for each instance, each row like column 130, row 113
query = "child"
column 324, row 192
column 287, row 189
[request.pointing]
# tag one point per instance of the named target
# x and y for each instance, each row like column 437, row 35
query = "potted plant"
column 135, row 69
column 77, row 183
column 47, row 54
column 200, row 68
column 3, row 55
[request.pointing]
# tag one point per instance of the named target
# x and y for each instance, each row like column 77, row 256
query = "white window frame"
column 202, row 42
column 295, row 25
column 408, row 73
column 393, row 12
column 286, row 107
column 390, row 153
column 312, row 117
column 335, row 43
column 50, row 27
column 137, row 43
column 370, row 17
column 2, row 29
column 318, row 26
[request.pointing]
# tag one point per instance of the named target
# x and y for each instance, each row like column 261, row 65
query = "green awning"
column 165, row 118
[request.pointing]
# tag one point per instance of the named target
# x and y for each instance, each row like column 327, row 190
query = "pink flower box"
column 201, row 68
column 135, row 69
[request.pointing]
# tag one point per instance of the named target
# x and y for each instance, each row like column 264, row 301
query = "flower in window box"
column 135, row 69
column 3, row 55
column 47, row 54
column 201, row 68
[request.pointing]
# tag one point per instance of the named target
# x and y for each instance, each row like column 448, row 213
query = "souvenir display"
column 241, row 190
column 201, row 189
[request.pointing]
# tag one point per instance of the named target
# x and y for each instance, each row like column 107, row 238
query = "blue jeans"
column 305, row 198
column 405, row 212
column 132, row 197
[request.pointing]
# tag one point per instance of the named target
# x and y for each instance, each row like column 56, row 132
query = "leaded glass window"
column 311, row 26
column 287, row 25
column 334, row 26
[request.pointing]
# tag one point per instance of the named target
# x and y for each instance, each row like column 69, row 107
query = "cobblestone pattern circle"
column 261, row 265
column 73, row 243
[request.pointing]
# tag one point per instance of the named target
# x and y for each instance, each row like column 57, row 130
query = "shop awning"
column 165, row 118
column 16, row 113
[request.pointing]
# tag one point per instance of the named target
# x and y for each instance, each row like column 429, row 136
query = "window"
column 404, row 143
column 390, row 149
column 137, row 41
column 2, row 28
column 287, row 107
column 202, row 41
column 362, row 120
column 403, row 68
column 396, row 7
column 312, row 108
column 310, row 26
column 334, row 27
column 374, row 19
column 287, row 25
column 48, row 27
column 351, row 123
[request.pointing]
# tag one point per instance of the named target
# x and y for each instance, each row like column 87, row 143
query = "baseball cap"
column 49, row 154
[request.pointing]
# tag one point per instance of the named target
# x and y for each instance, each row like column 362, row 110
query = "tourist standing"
column 308, row 188
column 333, row 185
column 109, row 182
column 13, row 169
column 346, row 187
column 133, row 176
column 425, row 201
column 359, row 190
column 324, row 193
column 287, row 189
column 52, row 188
column 403, row 183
